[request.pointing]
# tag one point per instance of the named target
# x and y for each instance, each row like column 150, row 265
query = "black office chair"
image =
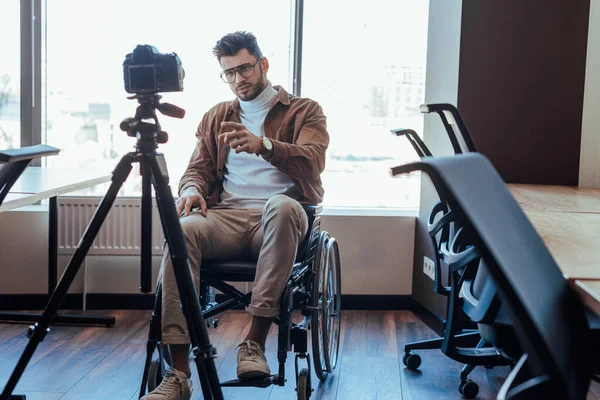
column 12, row 164
column 314, row 285
column 548, row 319
column 459, row 341
column 460, row 330
column 14, row 161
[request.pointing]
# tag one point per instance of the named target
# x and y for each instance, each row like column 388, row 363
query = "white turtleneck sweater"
column 249, row 180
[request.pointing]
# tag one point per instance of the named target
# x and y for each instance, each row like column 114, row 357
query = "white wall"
column 443, row 52
column 589, row 165
column 376, row 256
column 441, row 86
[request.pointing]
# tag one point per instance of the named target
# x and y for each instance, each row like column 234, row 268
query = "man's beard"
column 256, row 89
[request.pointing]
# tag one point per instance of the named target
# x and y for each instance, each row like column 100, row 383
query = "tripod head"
column 149, row 135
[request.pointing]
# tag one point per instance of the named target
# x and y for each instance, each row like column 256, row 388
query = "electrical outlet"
column 429, row 267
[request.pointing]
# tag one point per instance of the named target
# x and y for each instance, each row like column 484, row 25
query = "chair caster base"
column 411, row 360
column 468, row 389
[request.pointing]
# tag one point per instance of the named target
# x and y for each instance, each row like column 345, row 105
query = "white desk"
column 35, row 184
column 16, row 200
column 38, row 183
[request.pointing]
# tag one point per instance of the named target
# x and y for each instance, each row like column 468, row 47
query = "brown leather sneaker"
column 251, row 361
column 174, row 386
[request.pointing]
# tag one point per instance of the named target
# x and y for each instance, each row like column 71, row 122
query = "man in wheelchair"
column 258, row 159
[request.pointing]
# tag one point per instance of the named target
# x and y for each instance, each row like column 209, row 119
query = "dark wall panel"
column 521, row 82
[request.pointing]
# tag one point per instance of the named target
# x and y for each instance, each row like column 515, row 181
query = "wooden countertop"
column 556, row 198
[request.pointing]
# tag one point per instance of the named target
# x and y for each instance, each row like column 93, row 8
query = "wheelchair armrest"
column 312, row 210
column 314, row 224
column 27, row 153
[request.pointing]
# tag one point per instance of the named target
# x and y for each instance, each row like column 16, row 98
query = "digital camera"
column 146, row 71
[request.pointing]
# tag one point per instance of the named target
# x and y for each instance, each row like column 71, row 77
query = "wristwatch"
column 267, row 145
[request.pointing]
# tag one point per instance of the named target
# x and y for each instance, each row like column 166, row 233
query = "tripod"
column 153, row 170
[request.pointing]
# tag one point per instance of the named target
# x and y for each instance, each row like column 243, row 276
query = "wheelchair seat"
column 244, row 269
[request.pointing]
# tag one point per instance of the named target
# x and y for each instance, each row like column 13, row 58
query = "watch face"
column 268, row 144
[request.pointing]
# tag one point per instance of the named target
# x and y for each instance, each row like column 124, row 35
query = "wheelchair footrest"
column 255, row 382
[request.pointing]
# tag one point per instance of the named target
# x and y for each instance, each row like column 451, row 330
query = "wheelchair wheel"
column 320, row 310
column 333, row 304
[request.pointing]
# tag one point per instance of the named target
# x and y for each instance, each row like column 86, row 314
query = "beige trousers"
column 270, row 236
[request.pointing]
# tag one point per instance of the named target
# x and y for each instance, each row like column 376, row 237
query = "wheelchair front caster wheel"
column 154, row 375
column 468, row 389
column 303, row 387
column 212, row 323
column 411, row 360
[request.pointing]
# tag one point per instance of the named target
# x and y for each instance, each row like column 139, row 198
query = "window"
column 357, row 71
column 10, row 76
column 368, row 74
column 85, row 95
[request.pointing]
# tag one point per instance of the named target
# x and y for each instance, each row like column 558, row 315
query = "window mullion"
column 36, row 128
column 298, row 24
column 31, row 72
column 26, row 72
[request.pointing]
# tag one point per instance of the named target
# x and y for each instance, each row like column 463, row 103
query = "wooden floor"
column 107, row 363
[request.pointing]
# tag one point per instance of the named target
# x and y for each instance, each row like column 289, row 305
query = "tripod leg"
column 146, row 221
column 204, row 352
column 38, row 332
column 153, row 337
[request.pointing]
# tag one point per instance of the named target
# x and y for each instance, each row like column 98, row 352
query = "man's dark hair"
column 231, row 43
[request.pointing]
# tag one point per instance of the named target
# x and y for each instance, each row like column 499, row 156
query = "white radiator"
column 120, row 233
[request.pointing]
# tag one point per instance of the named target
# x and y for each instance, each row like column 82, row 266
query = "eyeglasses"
column 245, row 70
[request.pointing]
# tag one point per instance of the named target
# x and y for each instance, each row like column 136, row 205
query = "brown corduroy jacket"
column 296, row 126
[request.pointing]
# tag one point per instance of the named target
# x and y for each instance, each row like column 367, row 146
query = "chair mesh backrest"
column 487, row 305
column 548, row 318
column 462, row 142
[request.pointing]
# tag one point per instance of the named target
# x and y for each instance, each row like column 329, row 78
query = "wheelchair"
column 314, row 287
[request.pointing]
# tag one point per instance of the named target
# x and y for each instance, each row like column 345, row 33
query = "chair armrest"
column 450, row 116
column 414, row 139
column 27, row 153
column 312, row 210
